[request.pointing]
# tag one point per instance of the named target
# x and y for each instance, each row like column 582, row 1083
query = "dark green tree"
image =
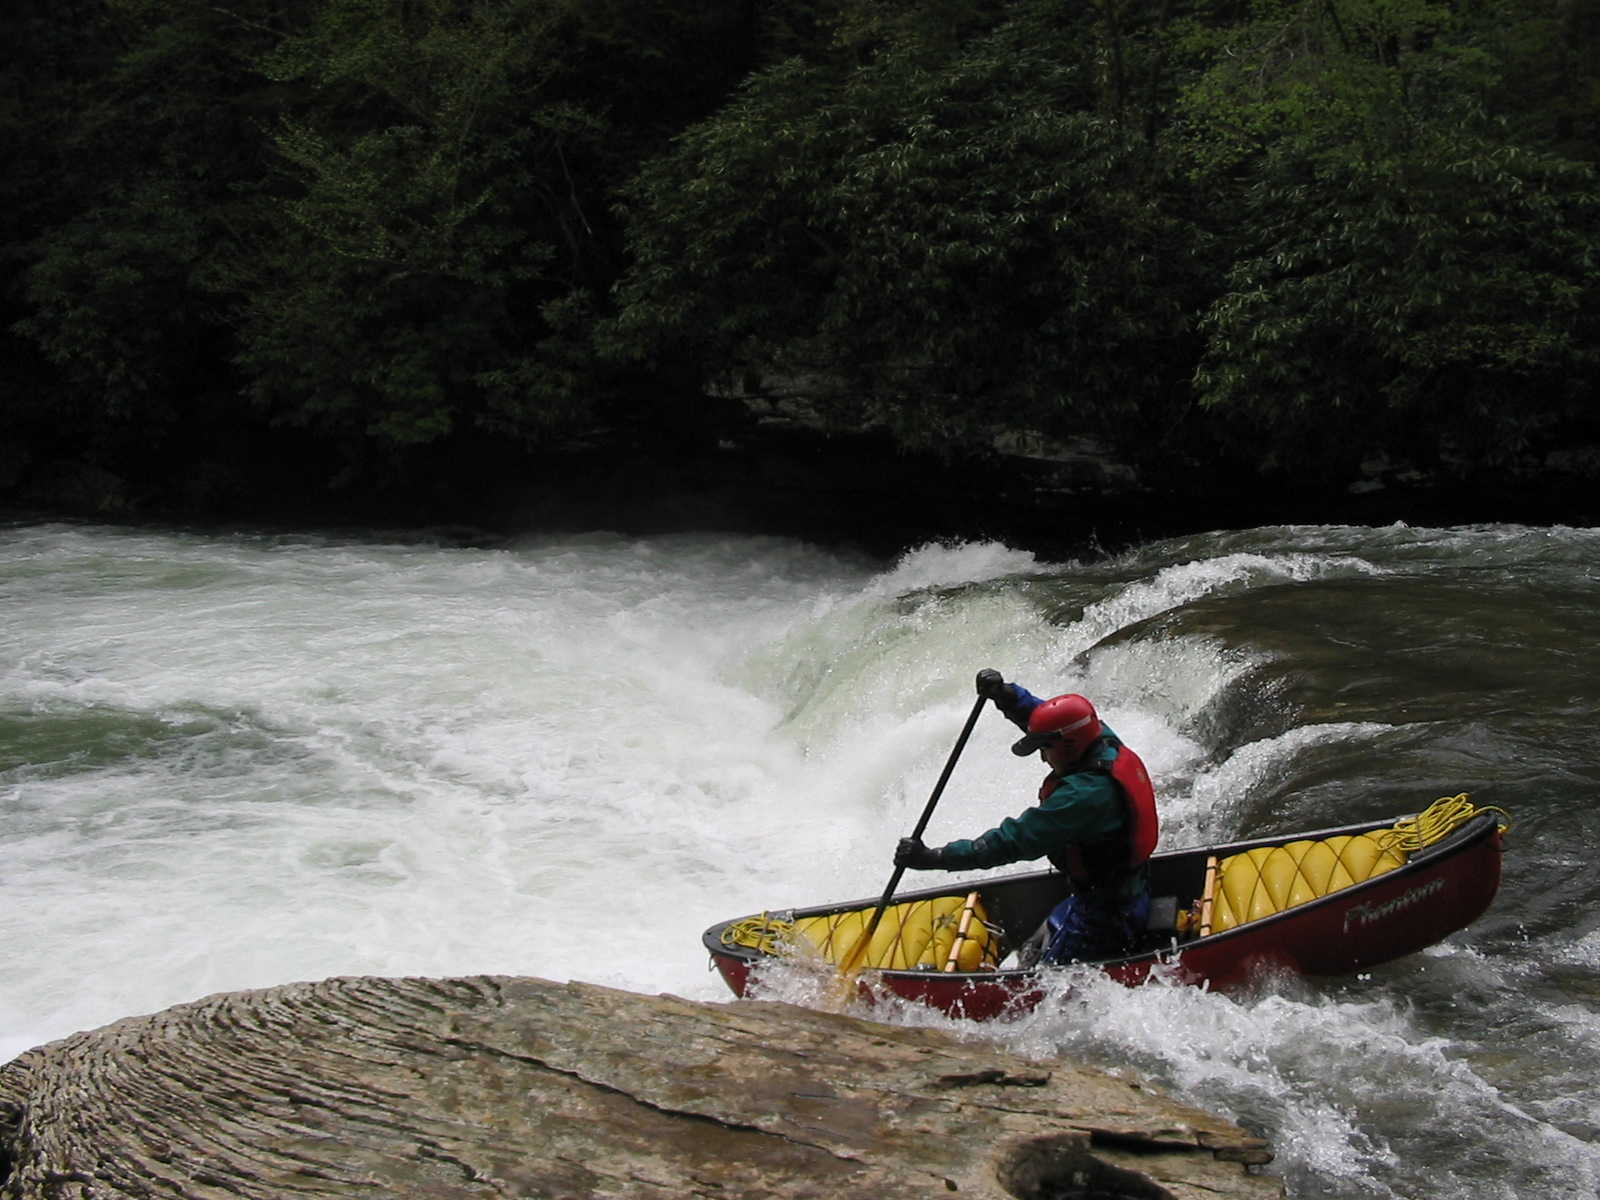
column 1406, row 274
column 145, row 148
column 363, row 234
column 944, row 236
column 394, row 241
column 443, row 231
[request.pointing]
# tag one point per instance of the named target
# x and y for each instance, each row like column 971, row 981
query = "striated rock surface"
column 492, row 1087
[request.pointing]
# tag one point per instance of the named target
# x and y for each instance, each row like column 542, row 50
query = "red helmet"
column 1070, row 719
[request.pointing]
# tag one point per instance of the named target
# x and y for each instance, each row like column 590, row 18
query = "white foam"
column 298, row 758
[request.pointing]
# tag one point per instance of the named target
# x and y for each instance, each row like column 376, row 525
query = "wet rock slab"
column 491, row 1087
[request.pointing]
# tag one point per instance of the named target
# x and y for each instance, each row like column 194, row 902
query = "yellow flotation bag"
column 911, row 936
column 1260, row 882
column 1269, row 879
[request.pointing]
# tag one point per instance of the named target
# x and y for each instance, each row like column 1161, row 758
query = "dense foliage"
column 345, row 244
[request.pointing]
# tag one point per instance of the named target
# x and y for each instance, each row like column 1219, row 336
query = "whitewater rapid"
column 232, row 761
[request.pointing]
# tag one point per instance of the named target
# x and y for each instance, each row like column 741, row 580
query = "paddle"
column 852, row 961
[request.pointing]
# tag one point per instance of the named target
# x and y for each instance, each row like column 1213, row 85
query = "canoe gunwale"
column 1426, row 860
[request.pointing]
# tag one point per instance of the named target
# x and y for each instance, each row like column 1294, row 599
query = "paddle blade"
column 845, row 986
column 851, row 963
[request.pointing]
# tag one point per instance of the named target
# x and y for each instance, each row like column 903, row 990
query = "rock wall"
column 494, row 1088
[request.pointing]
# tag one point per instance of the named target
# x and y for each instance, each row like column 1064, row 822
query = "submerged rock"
column 495, row 1087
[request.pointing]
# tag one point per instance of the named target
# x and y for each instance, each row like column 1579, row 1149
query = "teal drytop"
column 1084, row 807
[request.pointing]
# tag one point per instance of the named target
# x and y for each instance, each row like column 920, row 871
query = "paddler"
column 1095, row 821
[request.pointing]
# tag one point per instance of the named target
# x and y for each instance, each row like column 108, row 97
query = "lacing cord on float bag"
column 1437, row 822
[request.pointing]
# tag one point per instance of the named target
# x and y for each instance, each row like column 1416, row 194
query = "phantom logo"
column 1369, row 914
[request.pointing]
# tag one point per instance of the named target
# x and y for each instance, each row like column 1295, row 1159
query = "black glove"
column 990, row 685
column 912, row 854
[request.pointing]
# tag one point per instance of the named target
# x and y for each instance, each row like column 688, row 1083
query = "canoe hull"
column 1438, row 892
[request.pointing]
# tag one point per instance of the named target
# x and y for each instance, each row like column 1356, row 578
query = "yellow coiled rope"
column 766, row 933
column 1437, row 821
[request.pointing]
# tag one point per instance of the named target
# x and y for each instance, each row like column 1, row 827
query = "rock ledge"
column 498, row 1087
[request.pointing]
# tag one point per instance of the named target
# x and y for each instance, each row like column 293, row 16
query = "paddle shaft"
column 853, row 959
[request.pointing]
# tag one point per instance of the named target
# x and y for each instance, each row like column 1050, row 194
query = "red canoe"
column 1322, row 903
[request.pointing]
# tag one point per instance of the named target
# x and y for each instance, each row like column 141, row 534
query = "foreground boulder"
column 491, row 1087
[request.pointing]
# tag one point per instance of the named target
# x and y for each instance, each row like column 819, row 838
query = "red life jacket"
column 1136, row 842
